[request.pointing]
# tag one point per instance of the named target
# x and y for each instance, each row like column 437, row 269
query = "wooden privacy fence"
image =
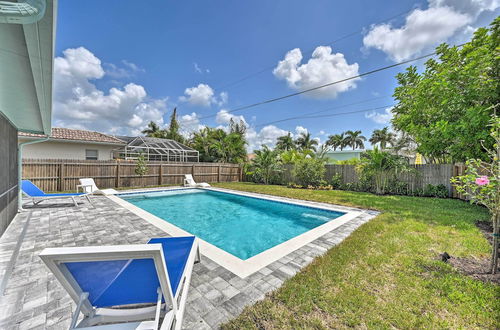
column 63, row 175
column 434, row 174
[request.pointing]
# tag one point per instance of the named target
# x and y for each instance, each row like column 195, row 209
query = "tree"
column 309, row 171
column 285, row 143
column 380, row 166
column 141, row 167
column 382, row 137
column 304, row 142
column 237, row 127
column 446, row 108
column 153, row 130
column 401, row 142
column 336, row 141
column 481, row 183
column 266, row 164
column 354, row 139
column 172, row 132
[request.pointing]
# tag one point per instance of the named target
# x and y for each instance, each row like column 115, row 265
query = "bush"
column 436, row 191
column 336, row 181
column 309, row 172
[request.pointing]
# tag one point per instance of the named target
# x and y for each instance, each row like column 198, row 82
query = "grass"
column 386, row 274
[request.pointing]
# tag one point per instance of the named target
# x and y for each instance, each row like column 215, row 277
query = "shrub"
column 336, row 181
column 309, row 171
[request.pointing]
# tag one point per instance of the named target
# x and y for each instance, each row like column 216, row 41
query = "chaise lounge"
column 189, row 182
column 127, row 286
column 37, row 195
column 88, row 186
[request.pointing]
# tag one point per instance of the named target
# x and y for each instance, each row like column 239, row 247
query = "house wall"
column 8, row 173
column 65, row 150
column 344, row 154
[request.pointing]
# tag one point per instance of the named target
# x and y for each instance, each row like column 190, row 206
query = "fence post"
column 160, row 175
column 218, row 173
column 117, row 183
column 60, row 184
column 240, row 168
column 192, row 170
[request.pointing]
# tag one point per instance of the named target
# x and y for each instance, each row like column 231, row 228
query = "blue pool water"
column 242, row 226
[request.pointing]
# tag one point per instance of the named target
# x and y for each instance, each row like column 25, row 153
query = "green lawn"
column 385, row 274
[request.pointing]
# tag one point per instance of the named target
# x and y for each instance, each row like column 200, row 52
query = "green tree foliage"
column 265, row 165
column 354, row 139
column 337, row 141
column 447, row 107
column 141, row 167
column 285, row 143
column 305, row 142
column 383, row 137
column 173, row 129
column 481, row 183
column 380, row 167
column 215, row 145
column 153, row 130
column 309, row 171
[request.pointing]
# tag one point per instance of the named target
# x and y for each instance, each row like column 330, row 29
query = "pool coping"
column 239, row 267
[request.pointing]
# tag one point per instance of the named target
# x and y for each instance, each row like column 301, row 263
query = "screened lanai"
column 155, row 149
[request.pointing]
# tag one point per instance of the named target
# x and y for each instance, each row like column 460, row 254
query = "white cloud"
column 322, row 68
column 424, row 29
column 223, row 117
column 78, row 103
column 299, row 130
column 203, row 95
column 199, row 70
column 127, row 70
column 189, row 124
column 383, row 118
column 266, row 136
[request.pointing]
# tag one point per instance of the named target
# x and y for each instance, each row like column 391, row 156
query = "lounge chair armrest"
column 83, row 186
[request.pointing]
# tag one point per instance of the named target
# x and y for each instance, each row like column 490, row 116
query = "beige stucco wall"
column 65, row 150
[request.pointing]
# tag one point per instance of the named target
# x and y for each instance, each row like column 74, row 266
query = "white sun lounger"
column 189, row 182
column 126, row 286
column 37, row 195
column 88, row 186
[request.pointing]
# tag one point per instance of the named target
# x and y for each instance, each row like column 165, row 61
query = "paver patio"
column 33, row 299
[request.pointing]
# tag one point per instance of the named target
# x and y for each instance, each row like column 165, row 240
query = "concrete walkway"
column 33, row 299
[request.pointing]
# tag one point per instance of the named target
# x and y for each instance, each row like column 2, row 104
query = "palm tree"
column 266, row 163
column 354, row 139
column 285, row 143
column 304, row 142
column 152, row 129
column 402, row 142
column 336, row 141
column 382, row 137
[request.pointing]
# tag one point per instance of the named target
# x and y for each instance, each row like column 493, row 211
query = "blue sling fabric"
column 32, row 190
column 123, row 282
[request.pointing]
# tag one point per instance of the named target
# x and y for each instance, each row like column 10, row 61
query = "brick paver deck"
column 33, row 299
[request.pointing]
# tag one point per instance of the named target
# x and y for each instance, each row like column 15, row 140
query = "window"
column 91, row 154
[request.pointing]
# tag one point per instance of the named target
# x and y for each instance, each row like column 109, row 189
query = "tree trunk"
column 496, row 234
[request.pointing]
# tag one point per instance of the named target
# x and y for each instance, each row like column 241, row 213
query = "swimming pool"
column 243, row 226
column 243, row 232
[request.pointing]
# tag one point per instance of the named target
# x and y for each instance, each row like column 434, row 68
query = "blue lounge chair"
column 37, row 195
column 127, row 284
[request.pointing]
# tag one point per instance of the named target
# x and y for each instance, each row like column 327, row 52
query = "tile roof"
column 59, row 133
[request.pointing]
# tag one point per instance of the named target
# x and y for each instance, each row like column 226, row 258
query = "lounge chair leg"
column 198, row 256
column 74, row 201
column 88, row 198
column 74, row 318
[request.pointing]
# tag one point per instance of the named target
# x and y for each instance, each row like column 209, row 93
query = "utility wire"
column 328, row 115
column 236, row 82
column 299, row 116
column 279, row 98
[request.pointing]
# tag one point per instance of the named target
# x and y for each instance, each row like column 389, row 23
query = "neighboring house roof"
column 59, row 133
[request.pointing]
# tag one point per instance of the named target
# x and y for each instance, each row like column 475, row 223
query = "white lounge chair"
column 126, row 286
column 189, row 182
column 88, row 186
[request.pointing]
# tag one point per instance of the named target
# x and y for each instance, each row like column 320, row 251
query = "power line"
column 321, row 111
column 328, row 115
column 279, row 98
column 348, row 35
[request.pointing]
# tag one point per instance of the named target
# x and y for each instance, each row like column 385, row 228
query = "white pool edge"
column 239, row 267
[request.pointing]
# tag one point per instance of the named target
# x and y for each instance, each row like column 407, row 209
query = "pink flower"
column 482, row 180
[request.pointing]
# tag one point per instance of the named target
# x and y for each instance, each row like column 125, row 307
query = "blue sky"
column 121, row 64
